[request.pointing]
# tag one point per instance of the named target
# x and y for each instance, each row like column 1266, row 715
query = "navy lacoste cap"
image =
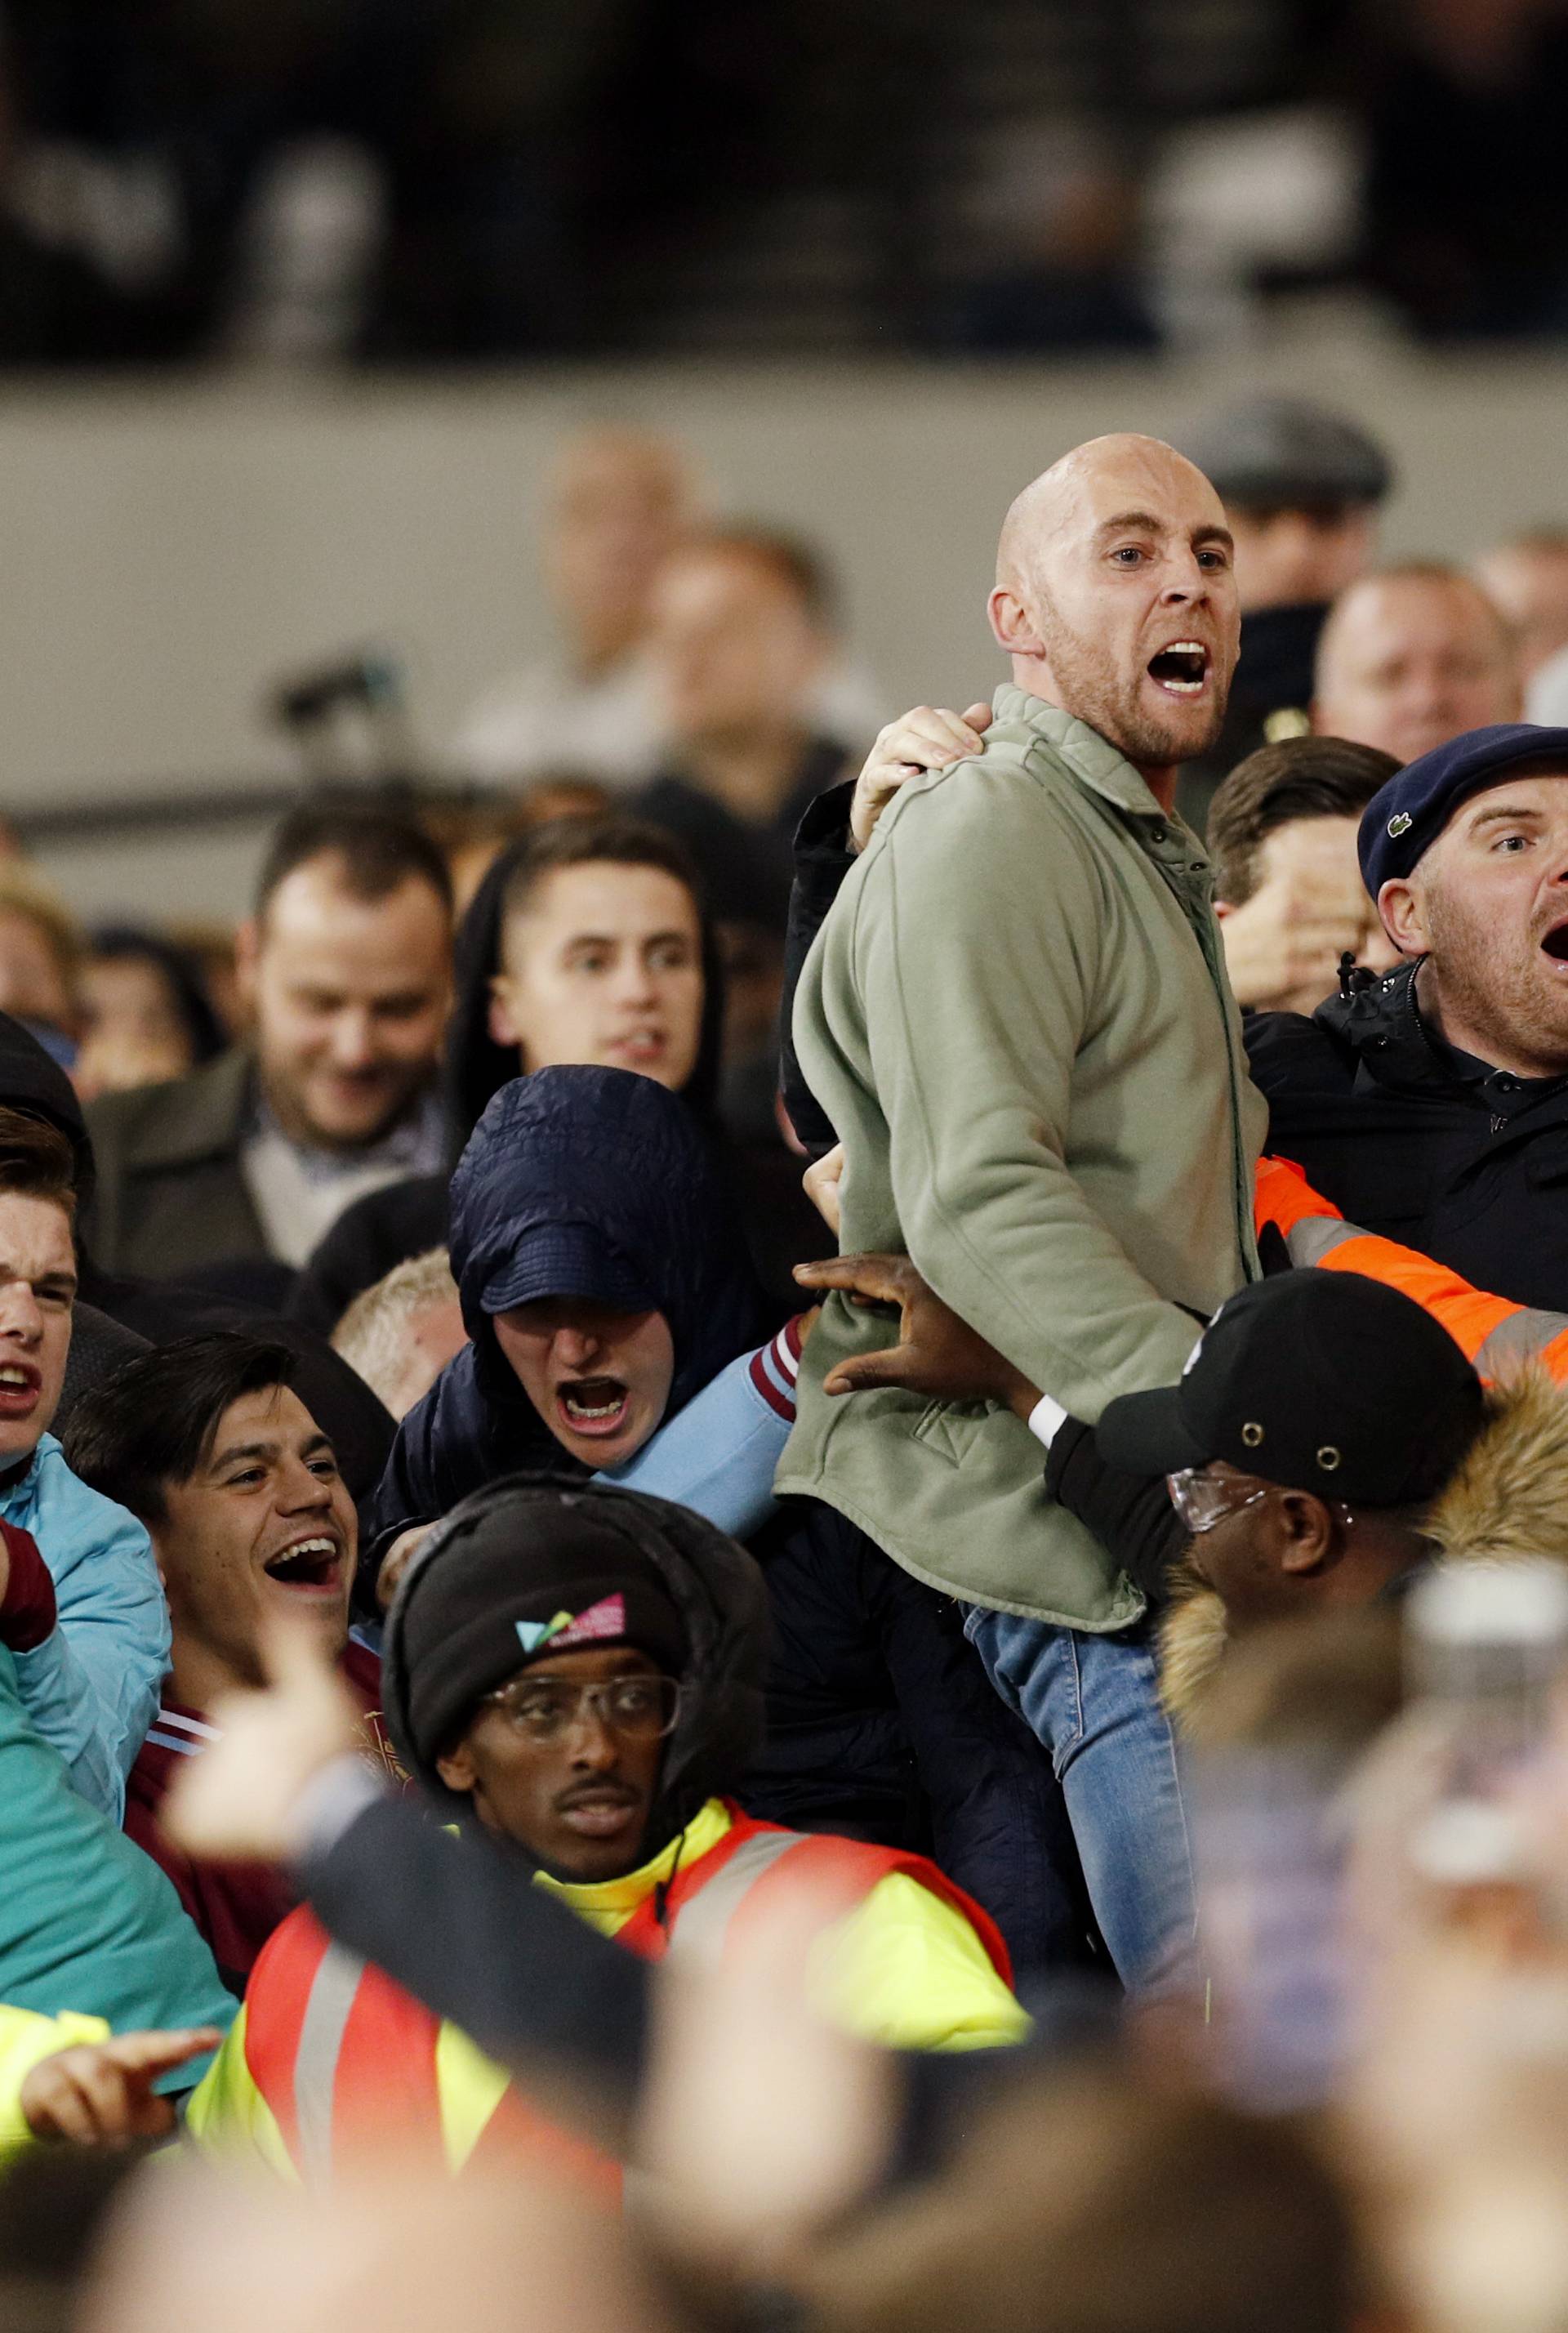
column 1405, row 817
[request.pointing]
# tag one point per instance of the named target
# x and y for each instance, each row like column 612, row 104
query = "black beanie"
column 518, row 1577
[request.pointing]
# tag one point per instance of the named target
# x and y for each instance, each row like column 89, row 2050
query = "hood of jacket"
column 715, row 1587
column 612, row 1153
column 476, row 1067
column 30, row 1080
column 1505, row 1502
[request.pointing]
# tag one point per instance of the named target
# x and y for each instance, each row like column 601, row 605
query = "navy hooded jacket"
column 601, row 1150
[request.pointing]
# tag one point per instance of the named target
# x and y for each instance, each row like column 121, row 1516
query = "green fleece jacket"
column 1018, row 1019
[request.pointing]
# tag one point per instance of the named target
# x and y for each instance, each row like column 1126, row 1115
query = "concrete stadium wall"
column 170, row 549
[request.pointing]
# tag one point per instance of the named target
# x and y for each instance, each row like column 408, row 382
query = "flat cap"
column 1282, row 453
column 1405, row 817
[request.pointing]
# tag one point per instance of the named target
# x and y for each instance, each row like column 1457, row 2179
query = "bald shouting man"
column 1017, row 1018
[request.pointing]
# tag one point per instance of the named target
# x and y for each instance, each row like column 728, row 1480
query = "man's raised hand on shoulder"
column 937, row 1354
column 929, row 737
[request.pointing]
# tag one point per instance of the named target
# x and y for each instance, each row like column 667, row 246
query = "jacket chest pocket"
column 951, row 1429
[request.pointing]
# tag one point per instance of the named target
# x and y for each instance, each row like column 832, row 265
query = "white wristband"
column 1046, row 1417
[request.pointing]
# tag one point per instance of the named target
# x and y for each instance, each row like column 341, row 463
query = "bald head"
column 1115, row 597
column 618, row 500
column 1410, row 657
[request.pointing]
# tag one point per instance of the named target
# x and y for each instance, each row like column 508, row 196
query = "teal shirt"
column 87, row 1921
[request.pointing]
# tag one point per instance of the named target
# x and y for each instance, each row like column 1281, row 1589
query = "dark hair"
column 379, row 849
column 584, row 838
column 127, row 943
column 1299, row 777
column 477, row 1067
column 801, row 568
column 154, row 1420
column 36, row 1160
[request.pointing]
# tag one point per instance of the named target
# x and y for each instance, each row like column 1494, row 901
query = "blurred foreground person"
column 1302, row 486
column 192, row 2247
column 580, row 1672
column 1410, row 657
column 1091, row 2202
column 1289, row 890
column 1431, row 1105
column 148, row 1014
column 617, row 500
column 208, row 1444
column 238, row 1169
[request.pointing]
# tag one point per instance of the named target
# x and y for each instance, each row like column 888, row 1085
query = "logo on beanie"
column 1401, row 823
column 603, row 1620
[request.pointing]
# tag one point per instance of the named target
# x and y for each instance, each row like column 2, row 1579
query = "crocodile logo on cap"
column 1401, row 824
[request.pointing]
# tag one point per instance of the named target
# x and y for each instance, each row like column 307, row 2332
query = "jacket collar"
column 1090, row 758
column 1382, row 1025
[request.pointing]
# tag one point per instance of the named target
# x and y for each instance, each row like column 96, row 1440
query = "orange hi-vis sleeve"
column 1489, row 1330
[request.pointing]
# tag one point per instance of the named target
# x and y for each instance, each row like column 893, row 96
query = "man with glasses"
column 577, row 1670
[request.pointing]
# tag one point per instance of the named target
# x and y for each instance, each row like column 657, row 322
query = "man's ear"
column 1309, row 1535
column 1403, row 916
column 458, row 1771
column 1012, row 625
column 501, row 1026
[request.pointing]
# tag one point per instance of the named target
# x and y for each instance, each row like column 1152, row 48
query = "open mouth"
column 307, row 1565
column 593, row 1406
column 1182, row 669
column 639, row 1045
column 1555, row 944
column 20, row 1384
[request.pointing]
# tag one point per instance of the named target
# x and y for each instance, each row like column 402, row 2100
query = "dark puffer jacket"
column 604, row 1150
column 716, row 1589
column 1421, row 1143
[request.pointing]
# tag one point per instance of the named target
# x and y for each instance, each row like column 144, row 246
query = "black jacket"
column 1422, row 1144
column 602, row 1148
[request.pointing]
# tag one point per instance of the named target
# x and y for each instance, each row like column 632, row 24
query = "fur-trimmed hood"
column 1508, row 1499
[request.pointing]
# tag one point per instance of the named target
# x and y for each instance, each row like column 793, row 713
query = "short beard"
column 1090, row 693
column 1501, row 1009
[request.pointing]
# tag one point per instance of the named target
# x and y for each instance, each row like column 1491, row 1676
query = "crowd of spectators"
column 416, row 181
column 865, row 1372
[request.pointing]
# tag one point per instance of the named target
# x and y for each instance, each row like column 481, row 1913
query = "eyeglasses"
column 543, row 1709
column 1202, row 1499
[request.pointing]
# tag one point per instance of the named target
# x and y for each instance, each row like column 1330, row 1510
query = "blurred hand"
column 242, row 1795
column 1282, row 947
column 928, row 738
column 821, row 1179
column 396, row 1562
column 100, row 2093
column 937, row 1354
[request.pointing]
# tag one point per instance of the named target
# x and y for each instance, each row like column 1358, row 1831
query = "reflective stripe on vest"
column 333, row 1992
column 702, row 1903
column 701, row 1932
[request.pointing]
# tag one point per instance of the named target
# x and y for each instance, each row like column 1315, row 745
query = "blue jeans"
column 1094, row 1702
